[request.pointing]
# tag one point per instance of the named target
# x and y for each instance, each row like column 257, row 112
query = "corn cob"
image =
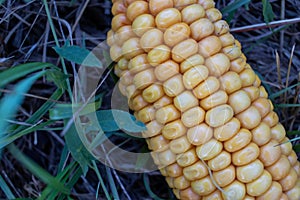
column 211, row 128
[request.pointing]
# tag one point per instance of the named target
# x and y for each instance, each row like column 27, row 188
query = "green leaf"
column 19, row 71
column 113, row 120
column 79, row 55
column 58, row 77
column 235, row 5
column 77, row 149
column 267, row 11
column 11, row 102
column 6, row 189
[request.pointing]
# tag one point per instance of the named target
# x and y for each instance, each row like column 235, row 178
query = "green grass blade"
column 277, row 94
column 20, row 71
column 267, row 11
column 95, row 168
column 6, row 189
column 112, row 184
column 235, row 5
column 11, row 102
column 287, row 105
column 147, row 186
column 37, row 170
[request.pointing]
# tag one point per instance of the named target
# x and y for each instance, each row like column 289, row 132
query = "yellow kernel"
column 118, row 21
column 176, row 33
column 217, row 64
column 250, row 172
column 183, row 3
column 209, row 150
column 132, row 48
column 284, row 197
column 146, row 114
column 170, row 181
column 201, row 28
column 190, row 62
column 262, row 92
column 219, row 115
column 233, row 52
column 235, row 190
column 286, row 146
column 153, row 93
column 260, row 185
column 216, row 195
column 245, row 155
column 225, row 176
column 136, row 8
column 280, row 168
column 209, row 46
column 115, row 52
column 218, row 98
column 188, row 194
column 289, row 181
column 248, row 77
column 249, row 118
column 142, row 24
column 238, row 65
column 184, row 49
column 173, row 130
column 131, row 91
column 187, row 158
column 176, row 193
column 158, row 143
column 166, row 70
column 122, row 88
column 253, row 92
column 159, row 54
column 123, row 34
column 138, row 63
column 293, row 158
column 257, row 82
column 213, row 14
column 153, row 129
column 123, row 64
column 193, row 116
column 207, row 3
column 185, row 101
column 166, row 157
column 228, row 130
column 199, row 134
column 194, row 76
column 230, row 82
column 156, row 6
column 180, row 145
column 294, row 193
column 144, row 78
column 240, row 140
column 221, row 27
column 220, row 162
column 261, row 134
column 137, row 103
column 196, row 171
column 274, row 192
column 174, row 86
column 227, row 39
column 167, row 114
column 164, row 101
column 206, row 88
column 118, row 7
column 110, row 38
column 128, row 2
column 203, row 186
column 174, row 170
column 181, row 183
column 151, row 39
column 126, row 78
column 192, row 13
column 167, row 18
column 271, row 119
column 263, row 106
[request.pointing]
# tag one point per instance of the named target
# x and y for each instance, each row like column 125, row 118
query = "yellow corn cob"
column 212, row 131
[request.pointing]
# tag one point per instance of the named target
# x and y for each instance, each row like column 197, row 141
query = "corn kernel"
column 136, row 8
column 159, row 54
column 132, row 48
column 164, row 101
column 230, row 82
column 146, row 114
column 261, row 134
column 240, row 140
column 115, row 52
column 221, row 27
column 174, row 86
column 293, row 158
column 131, row 91
column 166, row 157
column 152, row 38
column 188, row 194
column 194, row 76
column 271, row 119
column 153, row 93
column 199, row 134
column 253, row 92
column 157, row 6
column 217, row 64
column 245, row 155
column 187, row 158
column 123, row 63
column 250, row 172
column 235, row 190
column 284, row 197
column 183, row 3
column 176, row 33
column 167, row 114
column 225, row 176
column 233, row 52
column 249, row 118
column 201, row 28
column 219, row 115
column 196, row 171
column 137, row 103
column 174, row 170
column 166, row 70
column 190, row 62
column 138, row 64
column 213, row 14
column 228, row 130
column 206, row 88
column 192, row 13
column 209, row 150
column 262, row 92
column 167, row 18
column 142, row 24
column 294, row 193
column 274, row 192
column 203, row 186
column 193, row 116
column 286, row 146
column 280, row 168
column 118, row 21
column 153, row 128
column 174, row 129
column 220, row 162
column 209, row 46
column 238, row 65
column 260, row 185
column 158, row 143
column 263, row 106
column 227, row 40
column 184, row 49
column 123, row 34
column 185, row 101
column 144, row 78
column 118, row 7
column 216, row 195
column 181, row 183
column 170, row 181
column 289, row 181
column 218, row 98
